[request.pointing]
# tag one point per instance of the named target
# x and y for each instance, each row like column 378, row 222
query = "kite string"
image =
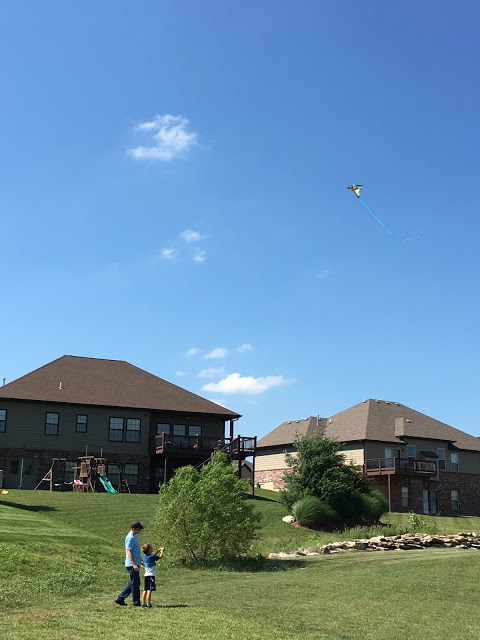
column 388, row 230
column 380, row 222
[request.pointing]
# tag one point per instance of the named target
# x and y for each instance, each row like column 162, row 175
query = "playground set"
column 88, row 475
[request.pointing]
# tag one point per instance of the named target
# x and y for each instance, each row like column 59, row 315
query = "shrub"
column 373, row 506
column 313, row 513
column 203, row 515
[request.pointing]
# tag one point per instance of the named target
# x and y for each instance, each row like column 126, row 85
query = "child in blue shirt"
column 150, row 563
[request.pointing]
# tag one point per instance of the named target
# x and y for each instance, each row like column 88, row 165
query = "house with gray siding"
column 419, row 463
column 140, row 423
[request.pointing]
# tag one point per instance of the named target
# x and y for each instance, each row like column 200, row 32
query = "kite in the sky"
column 356, row 188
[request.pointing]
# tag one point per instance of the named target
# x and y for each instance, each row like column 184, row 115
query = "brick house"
column 419, row 463
column 144, row 426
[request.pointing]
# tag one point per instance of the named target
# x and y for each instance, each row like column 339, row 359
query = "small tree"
column 204, row 515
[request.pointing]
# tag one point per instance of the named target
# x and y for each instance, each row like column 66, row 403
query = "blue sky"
column 173, row 193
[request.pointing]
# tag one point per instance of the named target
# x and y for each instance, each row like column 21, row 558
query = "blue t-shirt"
column 132, row 543
column 150, row 563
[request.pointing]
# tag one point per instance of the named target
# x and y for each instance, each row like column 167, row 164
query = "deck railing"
column 400, row 466
column 240, row 446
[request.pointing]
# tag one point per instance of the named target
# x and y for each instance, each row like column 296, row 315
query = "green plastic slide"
column 107, row 485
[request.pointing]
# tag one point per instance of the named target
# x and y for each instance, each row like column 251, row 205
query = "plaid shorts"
column 149, row 584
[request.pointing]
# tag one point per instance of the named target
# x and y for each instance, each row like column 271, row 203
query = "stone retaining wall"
column 391, row 543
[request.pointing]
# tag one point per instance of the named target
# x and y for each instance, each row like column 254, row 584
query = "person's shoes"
column 121, row 602
column 144, row 605
column 149, row 606
column 137, row 604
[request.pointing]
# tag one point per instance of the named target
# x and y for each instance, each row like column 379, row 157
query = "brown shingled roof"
column 378, row 420
column 112, row 383
column 286, row 432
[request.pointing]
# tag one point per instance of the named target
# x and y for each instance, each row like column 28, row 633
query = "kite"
column 356, row 188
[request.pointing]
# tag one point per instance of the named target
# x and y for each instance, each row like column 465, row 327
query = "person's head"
column 147, row 549
column 136, row 527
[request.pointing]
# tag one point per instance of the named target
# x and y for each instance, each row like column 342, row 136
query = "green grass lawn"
column 61, row 566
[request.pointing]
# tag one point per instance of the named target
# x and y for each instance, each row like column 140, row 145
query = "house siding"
column 25, row 438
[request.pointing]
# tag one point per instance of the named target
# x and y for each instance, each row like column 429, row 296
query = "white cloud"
column 189, row 236
column 236, row 383
column 193, row 352
column 243, row 348
column 199, row 255
column 169, row 138
column 211, row 372
column 168, row 254
column 180, row 373
column 324, row 273
column 218, row 352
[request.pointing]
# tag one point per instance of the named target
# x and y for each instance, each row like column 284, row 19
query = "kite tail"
column 394, row 237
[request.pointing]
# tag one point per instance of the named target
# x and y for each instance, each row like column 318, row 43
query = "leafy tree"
column 203, row 515
column 319, row 470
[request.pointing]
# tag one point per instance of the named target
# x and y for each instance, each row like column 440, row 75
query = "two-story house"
column 419, row 463
column 144, row 427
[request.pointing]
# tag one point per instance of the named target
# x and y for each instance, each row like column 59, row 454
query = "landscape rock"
column 288, row 519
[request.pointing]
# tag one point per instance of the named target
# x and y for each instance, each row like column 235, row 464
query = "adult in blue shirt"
column 133, row 560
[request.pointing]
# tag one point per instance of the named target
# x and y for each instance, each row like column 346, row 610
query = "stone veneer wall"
column 272, row 475
column 43, row 461
column 467, row 485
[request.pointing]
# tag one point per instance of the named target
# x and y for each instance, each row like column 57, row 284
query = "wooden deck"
column 399, row 466
column 237, row 448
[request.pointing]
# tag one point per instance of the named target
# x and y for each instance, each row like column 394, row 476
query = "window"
column 454, row 461
column 3, row 420
column 392, row 453
column 82, row 423
column 69, row 471
column 28, row 467
column 115, row 433
column 454, row 498
column 441, row 458
column 163, row 427
column 194, row 430
column 51, row 424
column 404, row 496
column 131, row 474
column 411, row 451
column 113, row 473
column 179, row 430
column 132, row 433
column 14, row 467
column 159, row 475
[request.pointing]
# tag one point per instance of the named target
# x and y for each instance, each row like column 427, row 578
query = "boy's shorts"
column 149, row 584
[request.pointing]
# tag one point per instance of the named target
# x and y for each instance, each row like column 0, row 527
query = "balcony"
column 237, row 448
column 399, row 466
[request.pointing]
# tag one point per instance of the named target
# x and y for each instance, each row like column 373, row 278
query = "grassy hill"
column 61, row 566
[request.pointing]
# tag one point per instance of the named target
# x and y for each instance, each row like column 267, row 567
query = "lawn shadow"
column 171, row 606
column 250, row 565
column 250, row 497
column 25, row 507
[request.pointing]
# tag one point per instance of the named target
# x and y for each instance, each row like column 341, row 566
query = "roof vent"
column 289, row 422
column 397, row 403
column 60, row 386
column 377, row 401
column 297, row 421
column 3, row 381
column 386, row 402
column 329, row 421
column 407, row 420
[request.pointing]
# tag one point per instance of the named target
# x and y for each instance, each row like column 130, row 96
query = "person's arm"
column 160, row 552
column 130, row 557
